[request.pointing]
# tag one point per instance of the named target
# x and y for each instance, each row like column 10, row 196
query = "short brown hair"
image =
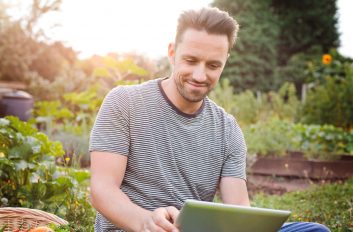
column 210, row 19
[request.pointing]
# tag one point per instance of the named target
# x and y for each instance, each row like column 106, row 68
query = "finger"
column 173, row 213
column 161, row 219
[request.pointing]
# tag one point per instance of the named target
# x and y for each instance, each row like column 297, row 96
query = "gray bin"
column 16, row 103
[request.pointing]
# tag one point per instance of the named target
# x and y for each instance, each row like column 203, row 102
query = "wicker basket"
column 14, row 217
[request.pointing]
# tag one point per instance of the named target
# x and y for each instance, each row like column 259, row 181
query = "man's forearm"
column 116, row 206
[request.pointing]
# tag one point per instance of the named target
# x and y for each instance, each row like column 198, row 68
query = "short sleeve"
column 110, row 132
column 235, row 163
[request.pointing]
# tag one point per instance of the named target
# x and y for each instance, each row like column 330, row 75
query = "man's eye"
column 213, row 66
column 191, row 61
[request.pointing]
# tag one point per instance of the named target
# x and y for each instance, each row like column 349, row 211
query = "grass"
column 331, row 205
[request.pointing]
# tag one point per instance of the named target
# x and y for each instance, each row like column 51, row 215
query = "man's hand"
column 161, row 219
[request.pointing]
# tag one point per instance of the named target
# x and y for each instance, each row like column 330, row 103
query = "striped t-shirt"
column 172, row 156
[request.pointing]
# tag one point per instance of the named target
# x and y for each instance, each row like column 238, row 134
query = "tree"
column 275, row 33
column 21, row 50
column 252, row 62
column 304, row 25
column 17, row 51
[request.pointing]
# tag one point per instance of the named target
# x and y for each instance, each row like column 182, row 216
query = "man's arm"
column 107, row 173
column 234, row 191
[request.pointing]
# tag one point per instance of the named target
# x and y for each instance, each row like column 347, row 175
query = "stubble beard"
column 190, row 96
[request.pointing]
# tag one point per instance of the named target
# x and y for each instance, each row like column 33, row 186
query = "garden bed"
column 296, row 165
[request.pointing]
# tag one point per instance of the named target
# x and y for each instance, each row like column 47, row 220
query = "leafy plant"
column 30, row 177
column 224, row 96
column 330, row 100
column 70, row 121
column 276, row 137
column 322, row 141
column 272, row 137
column 249, row 109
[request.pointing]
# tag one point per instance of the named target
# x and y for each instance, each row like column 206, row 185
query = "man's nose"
column 199, row 73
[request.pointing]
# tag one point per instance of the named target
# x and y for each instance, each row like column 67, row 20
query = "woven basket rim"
column 13, row 216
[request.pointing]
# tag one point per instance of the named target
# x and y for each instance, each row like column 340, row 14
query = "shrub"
column 330, row 100
column 249, row 108
column 70, row 121
column 269, row 137
column 223, row 95
column 322, row 141
column 29, row 176
column 276, row 137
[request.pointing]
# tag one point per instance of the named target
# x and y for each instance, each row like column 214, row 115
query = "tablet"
column 200, row 216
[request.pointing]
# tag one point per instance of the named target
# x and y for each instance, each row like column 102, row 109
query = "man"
column 156, row 144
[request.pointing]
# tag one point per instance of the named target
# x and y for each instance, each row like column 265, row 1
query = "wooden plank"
column 315, row 169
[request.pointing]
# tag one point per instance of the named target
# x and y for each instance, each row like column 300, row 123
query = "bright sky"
column 345, row 20
column 146, row 27
column 102, row 26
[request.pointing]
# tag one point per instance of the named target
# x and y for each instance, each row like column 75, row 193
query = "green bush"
column 70, row 121
column 272, row 137
column 249, row 109
column 330, row 99
column 330, row 204
column 322, row 141
column 30, row 177
column 276, row 137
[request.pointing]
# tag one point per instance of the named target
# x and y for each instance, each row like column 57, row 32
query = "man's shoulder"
column 219, row 111
column 129, row 91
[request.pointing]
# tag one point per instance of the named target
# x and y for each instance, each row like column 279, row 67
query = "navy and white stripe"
column 172, row 156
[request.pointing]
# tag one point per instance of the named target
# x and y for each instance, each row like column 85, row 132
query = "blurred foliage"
column 330, row 204
column 253, row 60
column 20, row 50
column 17, row 52
column 302, row 29
column 277, row 137
column 272, row 137
column 249, row 109
column 163, row 67
column 29, row 176
column 118, row 67
column 271, row 34
column 322, row 141
column 70, row 121
column 329, row 100
column 294, row 70
column 223, row 95
column 27, row 56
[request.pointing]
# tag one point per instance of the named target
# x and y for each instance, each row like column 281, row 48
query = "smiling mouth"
column 197, row 85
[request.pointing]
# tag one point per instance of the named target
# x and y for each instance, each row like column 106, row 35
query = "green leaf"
column 64, row 180
column 21, row 165
column 4, row 122
column 34, row 178
column 20, row 151
column 80, row 175
column 34, row 143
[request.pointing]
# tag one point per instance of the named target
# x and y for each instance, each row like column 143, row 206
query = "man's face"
column 198, row 61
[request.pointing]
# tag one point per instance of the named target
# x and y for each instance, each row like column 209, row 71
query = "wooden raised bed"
column 296, row 165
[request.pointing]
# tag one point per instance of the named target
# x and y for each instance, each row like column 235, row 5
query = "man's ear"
column 171, row 53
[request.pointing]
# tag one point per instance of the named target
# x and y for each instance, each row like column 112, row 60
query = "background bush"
column 329, row 99
column 30, row 176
